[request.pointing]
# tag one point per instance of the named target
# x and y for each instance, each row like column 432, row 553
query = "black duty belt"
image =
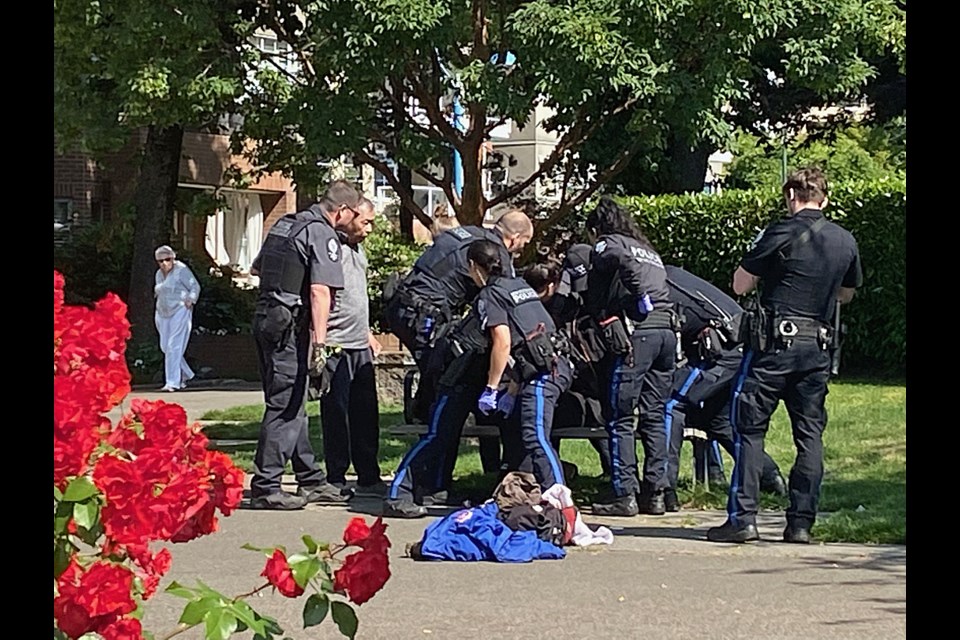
column 423, row 305
column 656, row 319
column 799, row 327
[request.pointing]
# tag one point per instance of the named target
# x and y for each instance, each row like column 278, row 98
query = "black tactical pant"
column 283, row 344
column 349, row 413
column 405, row 323
column 423, row 469
column 710, row 386
column 798, row 376
column 532, row 421
column 640, row 381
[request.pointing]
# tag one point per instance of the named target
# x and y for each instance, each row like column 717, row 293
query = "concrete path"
column 660, row 579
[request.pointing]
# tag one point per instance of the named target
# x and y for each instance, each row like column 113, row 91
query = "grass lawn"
column 863, row 498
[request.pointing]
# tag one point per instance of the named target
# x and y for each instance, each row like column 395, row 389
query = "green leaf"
column 62, row 552
column 245, row 614
column 85, row 513
column 195, row 610
column 315, row 610
column 180, row 591
column 345, row 617
column 79, row 490
column 304, row 568
column 310, row 543
column 267, row 550
column 57, row 494
column 219, row 624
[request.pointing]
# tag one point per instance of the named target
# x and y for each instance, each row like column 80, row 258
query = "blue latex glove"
column 644, row 305
column 505, row 404
column 488, row 401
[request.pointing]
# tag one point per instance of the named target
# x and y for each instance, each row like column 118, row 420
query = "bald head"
column 516, row 229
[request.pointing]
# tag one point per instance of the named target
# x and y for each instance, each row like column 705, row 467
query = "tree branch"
column 406, row 199
column 618, row 165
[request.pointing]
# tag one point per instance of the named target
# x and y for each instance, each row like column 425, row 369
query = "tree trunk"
column 472, row 206
column 406, row 216
column 687, row 168
column 153, row 201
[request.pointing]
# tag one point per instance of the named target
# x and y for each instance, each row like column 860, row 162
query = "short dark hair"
column 610, row 218
column 808, row 184
column 542, row 274
column 486, row 255
column 339, row 193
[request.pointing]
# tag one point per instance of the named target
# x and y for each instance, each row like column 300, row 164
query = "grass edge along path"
column 863, row 496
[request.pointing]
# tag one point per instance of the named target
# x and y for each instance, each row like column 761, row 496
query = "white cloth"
column 174, row 320
column 173, row 289
column 560, row 497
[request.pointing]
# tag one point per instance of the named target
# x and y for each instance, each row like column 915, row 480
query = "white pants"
column 174, row 335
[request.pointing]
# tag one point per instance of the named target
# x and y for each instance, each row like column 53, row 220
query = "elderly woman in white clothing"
column 176, row 290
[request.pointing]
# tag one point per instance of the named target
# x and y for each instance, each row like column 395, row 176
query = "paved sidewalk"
column 660, row 579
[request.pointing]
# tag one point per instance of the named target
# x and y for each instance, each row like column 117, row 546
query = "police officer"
column 438, row 289
column 560, row 287
column 506, row 331
column 299, row 268
column 806, row 265
column 700, row 396
column 627, row 294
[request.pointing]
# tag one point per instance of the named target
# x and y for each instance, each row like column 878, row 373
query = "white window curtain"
column 234, row 234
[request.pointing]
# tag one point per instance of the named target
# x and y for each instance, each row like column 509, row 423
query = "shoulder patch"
column 461, row 233
column 600, row 246
column 756, row 240
column 333, row 249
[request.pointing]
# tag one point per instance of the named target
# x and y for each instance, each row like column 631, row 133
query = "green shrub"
column 387, row 252
column 708, row 235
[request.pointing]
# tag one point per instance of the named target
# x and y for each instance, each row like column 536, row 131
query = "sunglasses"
column 162, row 260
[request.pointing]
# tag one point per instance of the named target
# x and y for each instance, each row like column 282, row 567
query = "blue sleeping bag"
column 475, row 534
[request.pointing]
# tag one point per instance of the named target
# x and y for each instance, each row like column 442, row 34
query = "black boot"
column 775, row 485
column 401, row 508
column 729, row 532
column 670, row 500
column 796, row 534
column 651, row 501
column 622, row 506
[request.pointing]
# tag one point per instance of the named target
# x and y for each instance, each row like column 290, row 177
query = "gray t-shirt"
column 349, row 324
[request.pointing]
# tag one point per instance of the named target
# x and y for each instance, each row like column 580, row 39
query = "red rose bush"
column 150, row 479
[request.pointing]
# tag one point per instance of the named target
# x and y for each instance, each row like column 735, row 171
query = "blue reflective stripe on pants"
column 412, row 454
column 668, row 413
column 611, row 425
column 734, row 477
column 542, row 436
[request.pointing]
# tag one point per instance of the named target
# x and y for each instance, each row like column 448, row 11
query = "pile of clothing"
column 519, row 524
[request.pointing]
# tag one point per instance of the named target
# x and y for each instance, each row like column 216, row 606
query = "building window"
column 62, row 210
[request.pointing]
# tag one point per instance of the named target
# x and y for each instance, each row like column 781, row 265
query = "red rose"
column 277, row 572
column 93, row 598
column 122, row 629
column 356, row 532
column 362, row 575
column 359, row 534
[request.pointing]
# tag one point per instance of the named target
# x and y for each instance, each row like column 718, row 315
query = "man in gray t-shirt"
column 349, row 411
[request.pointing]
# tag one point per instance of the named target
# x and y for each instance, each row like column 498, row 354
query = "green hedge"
column 708, row 235
column 387, row 252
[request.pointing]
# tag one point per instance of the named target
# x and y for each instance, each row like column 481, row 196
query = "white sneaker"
column 168, row 389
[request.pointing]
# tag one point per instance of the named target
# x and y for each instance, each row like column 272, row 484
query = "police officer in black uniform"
column 299, row 267
column 806, row 265
column 434, row 295
column 700, row 398
column 627, row 294
column 561, row 287
column 507, row 330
